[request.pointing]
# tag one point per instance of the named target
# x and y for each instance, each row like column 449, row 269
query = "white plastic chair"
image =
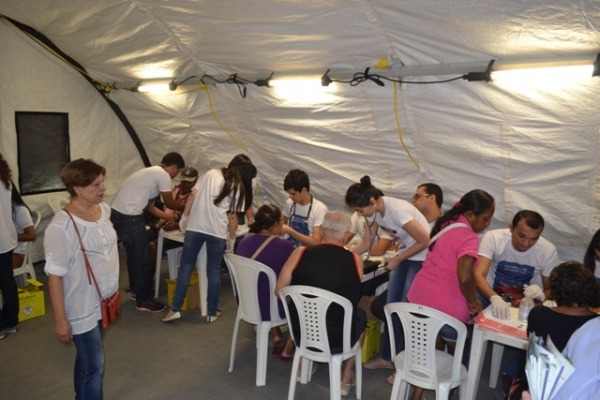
column 312, row 305
column 420, row 364
column 27, row 267
column 57, row 203
column 244, row 274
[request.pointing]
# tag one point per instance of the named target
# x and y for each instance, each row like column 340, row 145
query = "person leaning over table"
column 409, row 228
column 515, row 257
column 210, row 219
column 267, row 226
column 446, row 282
column 428, row 199
column 75, row 301
column 127, row 217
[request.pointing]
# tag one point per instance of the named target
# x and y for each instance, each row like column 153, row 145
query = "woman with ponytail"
column 446, row 281
column 410, row 231
column 210, row 219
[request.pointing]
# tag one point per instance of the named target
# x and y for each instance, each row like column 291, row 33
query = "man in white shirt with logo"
column 515, row 257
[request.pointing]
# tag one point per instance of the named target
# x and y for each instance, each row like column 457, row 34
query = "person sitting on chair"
column 264, row 245
column 331, row 267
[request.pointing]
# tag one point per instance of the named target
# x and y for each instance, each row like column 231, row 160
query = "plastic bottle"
column 524, row 307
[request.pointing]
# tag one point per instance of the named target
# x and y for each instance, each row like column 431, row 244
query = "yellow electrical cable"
column 400, row 128
column 104, row 86
column 212, row 111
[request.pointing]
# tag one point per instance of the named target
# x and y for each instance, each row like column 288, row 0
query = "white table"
column 478, row 349
column 177, row 236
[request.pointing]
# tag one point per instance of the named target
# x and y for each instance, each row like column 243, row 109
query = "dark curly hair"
column 267, row 216
column 5, row 173
column 573, row 285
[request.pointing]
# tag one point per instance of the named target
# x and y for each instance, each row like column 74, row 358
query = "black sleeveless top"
column 332, row 268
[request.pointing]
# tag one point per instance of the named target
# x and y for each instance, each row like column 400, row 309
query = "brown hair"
column 268, row 215
column 5, row 172
column 80, row 172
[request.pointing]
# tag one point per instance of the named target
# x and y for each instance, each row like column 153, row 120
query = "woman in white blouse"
column 74, row 298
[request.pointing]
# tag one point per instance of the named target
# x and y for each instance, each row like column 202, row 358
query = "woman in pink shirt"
column 446, row 280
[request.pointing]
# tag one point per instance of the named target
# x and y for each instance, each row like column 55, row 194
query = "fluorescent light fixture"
column 303, row 91
column 154, row 87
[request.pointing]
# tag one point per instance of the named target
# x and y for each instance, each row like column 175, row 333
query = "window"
column 43, row 150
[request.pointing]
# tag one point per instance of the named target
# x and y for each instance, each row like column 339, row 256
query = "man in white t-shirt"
column 515, row 257
column 127, row 217
column 304, row 213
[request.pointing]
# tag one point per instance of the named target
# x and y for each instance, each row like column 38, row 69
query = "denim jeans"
column 215, row 248
column 400, row 280
column 131, row 230
column 89, row 364
column 9, row 314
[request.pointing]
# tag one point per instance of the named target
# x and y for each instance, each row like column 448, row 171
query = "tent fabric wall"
column 531, row 146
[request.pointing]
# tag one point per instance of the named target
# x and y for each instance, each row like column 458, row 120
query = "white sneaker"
column 171, row 316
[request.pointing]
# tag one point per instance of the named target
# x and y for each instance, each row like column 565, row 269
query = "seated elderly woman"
column 264, row 245
column 575, row 291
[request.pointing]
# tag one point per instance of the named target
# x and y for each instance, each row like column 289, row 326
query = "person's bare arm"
column 62, row 327
column 233, row 224
column 285, row 276
column 480, row 272
column 158, row 213
column 382, row 245
column 364, row 244
column 414, row 229
column 28, row 235
column 466, row 282
column 170, row 202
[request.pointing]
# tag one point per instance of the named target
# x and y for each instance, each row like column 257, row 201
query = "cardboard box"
column 372, row 342
column 31, row 300
column 192, row 298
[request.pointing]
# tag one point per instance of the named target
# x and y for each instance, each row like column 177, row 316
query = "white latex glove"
column 499, row 307
column 535, row 292
column 183, row 223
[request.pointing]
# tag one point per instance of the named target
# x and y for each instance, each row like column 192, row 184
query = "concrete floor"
column 148, row 359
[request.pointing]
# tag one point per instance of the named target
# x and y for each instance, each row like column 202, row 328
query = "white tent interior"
column 531, row 143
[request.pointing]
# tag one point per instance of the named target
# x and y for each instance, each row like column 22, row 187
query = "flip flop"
column 286, row 358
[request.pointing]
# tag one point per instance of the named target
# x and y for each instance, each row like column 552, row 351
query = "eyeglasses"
column 417, row 196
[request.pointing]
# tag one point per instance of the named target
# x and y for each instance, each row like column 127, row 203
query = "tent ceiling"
column 121, row 40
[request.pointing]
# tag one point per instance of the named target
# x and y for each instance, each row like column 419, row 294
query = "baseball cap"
column 188, row 174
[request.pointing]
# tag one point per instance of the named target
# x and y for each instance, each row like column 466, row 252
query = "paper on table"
column 511, row 326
